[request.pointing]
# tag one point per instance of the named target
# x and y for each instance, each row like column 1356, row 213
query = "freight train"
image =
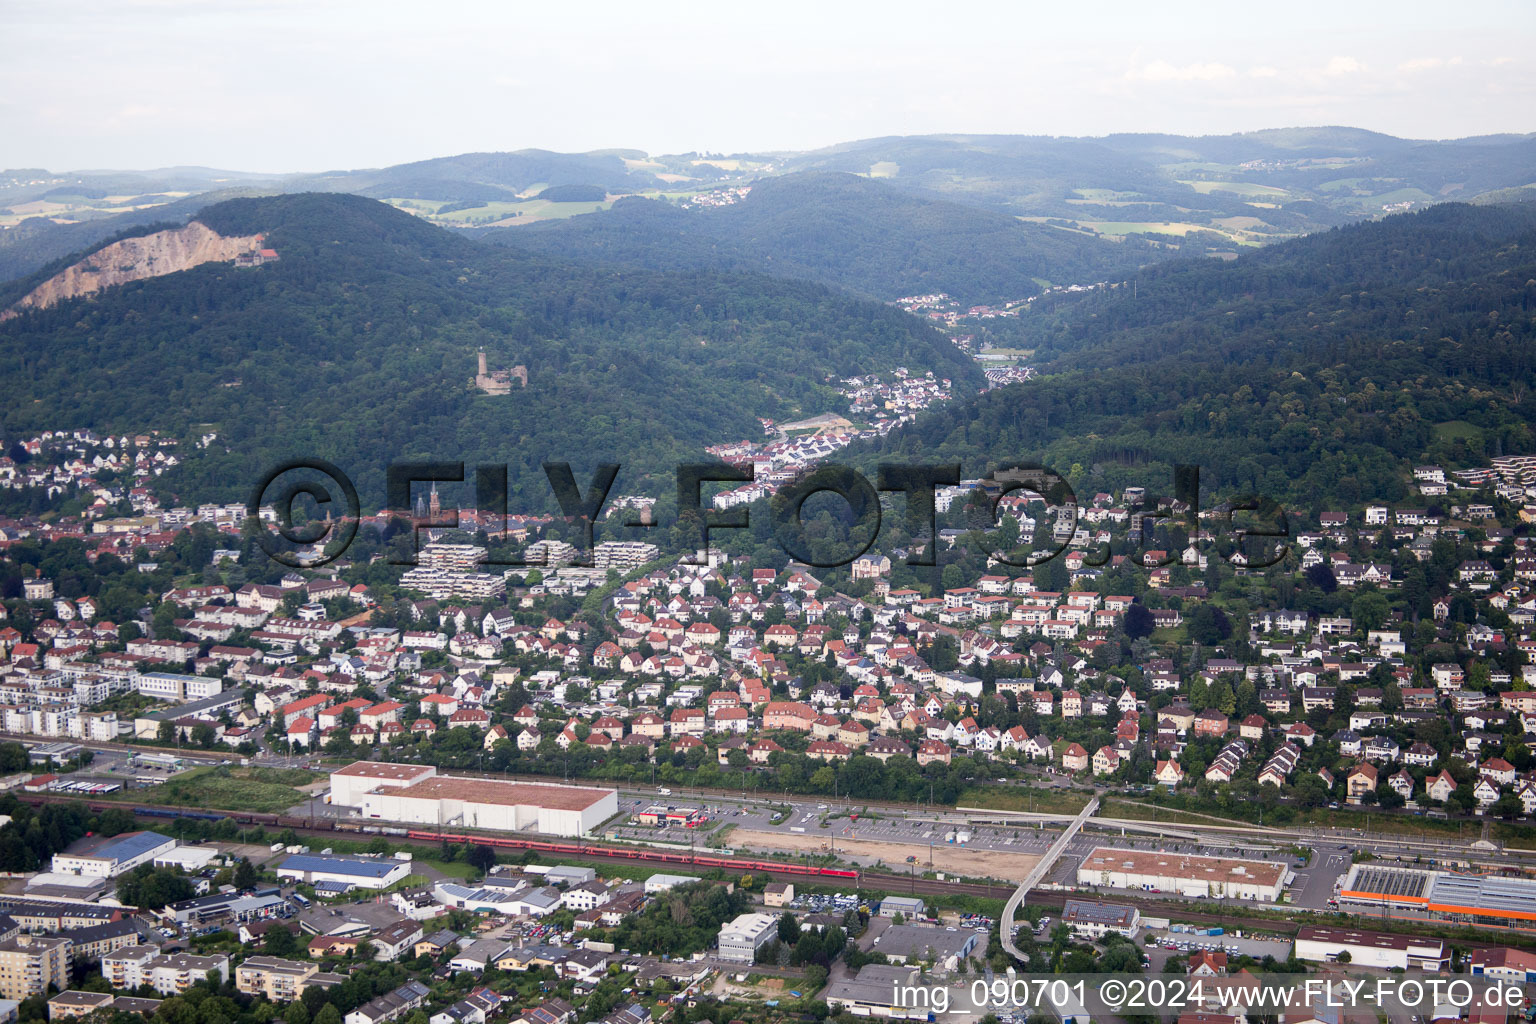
column 575, row 849
column 569, row 849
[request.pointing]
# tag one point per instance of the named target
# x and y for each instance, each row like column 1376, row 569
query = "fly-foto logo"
column 319, row 541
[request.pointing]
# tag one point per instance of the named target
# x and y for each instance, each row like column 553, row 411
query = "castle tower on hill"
column 498, row 382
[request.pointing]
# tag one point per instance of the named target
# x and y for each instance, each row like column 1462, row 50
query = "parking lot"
column 1184, row 943
column 818, row 903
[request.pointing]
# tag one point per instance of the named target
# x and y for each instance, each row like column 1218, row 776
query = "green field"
column 265, row 790
column 1044, row 801
column 1241, row 188
column 1107, row 195
column 1451, row 430
column 500, row 212
column 1132, row 227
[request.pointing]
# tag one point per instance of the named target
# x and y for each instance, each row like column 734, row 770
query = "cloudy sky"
column 289, row 85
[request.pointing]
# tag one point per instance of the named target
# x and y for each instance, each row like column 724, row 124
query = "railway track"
column 879, row 881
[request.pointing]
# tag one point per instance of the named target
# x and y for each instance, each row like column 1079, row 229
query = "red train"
column 633, row 853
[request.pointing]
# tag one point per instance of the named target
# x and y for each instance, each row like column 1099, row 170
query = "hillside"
column 359, row 344
column 136, row 259
column 1202, row 194
column 839, row 229
column 1316, row 370
column 1248, row 187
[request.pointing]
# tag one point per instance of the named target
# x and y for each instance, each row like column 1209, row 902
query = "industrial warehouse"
column 1215, row 877
column 1371, row 949
column 1442, row 895
column 334, row 875
column 416, row 794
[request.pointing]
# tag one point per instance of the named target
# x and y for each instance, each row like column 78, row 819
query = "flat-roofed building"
column 1492, row 900
column 944, row 949
column 493, row 804
column 873, row 992
column 281, row 981
column 110, row 856
column 349, row 784
column 363, row 872
column 742, row 938
column 31, row 963
column 908, row 906
column 1187, row 875
column 1371, row 949
column 228, row 906
column 1096, row 920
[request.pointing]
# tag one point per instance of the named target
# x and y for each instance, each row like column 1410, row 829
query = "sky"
column 311, row 85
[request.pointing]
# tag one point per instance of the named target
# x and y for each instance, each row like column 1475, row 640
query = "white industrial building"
column 349, row 784
column 416, row 795
column 108, row 857
column 742, row 938
column 1187, row 875
column 1371, row 949
column 190, row 859
column 330, row 871
column 1095, row 920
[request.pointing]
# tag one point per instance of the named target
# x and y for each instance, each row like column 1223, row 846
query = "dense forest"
column 1312, row 371
column 844, row 230
column 359, row 344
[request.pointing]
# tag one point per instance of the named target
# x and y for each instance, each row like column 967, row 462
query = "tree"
column 245, row 874
column 296, row 1012
column 789, row 929
column 1369, row 610
column 1208, row 625
column 150, row 888
column 481, row 857
column 279, row 941
column 1343, row 957
column 1139, row 621
column 1508, row 806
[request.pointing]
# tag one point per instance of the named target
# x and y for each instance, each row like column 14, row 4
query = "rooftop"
column 362, row 868
column 493, row 791
column 386, row 770
column 124, row 846
column 1147, row 862
column 1113, row 915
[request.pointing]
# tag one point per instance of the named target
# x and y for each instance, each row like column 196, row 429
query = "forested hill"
column 843, row 230
column 1318, row 370
column 358, row 345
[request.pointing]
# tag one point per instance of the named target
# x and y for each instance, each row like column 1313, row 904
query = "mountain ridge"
column 358, row 346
